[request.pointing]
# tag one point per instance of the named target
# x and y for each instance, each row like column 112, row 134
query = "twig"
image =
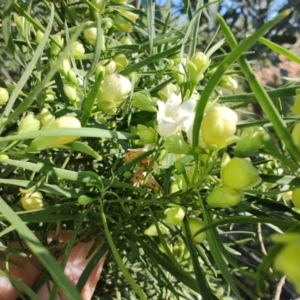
column 279, row 287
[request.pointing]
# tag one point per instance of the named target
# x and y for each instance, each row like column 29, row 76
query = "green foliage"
column 98, row 177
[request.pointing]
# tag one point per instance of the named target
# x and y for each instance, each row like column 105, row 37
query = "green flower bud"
column 65, row 67
column 296, row 107
column 122, row 25
column 125, row 40
column 174, row 215
column 98, row 4
column 106, row 66
column 85, row 200
column 179, row 73
column 121, row 61
column 201, row 61
column 91, row 35
column 4, row 158
column 166, row 91
column 195, row 224
column 20, row 22
column 41, row 143
column 31, row 201
column 227, row 82
column 71, row 93
column 127, row 175
column 224, row 197
column 296, row 197
column 176, row 144
column 29, row 124
column 147, row 134
column 143, row 101
column 46, row 117
column 38, row 37
column 296, row 135
column 78, row 50
column 218, row 127
column 179, row 166
column 128, row 14
column 107, row 24
column 194, row 75
column 251, row 140
column 288, row 261
column 152, row 231
column 239, row 174
column 56, row 45
column 3, row 96
column 114, row 89
column 71, row 77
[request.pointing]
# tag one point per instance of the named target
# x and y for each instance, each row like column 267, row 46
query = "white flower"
column 175, row 115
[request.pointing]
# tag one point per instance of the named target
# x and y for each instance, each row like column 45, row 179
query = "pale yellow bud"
column 29, row 124
column 296, row 135
column 3, row 96
column 287, row 260
column 114, row 88
column 296, row 107
column 218, row 127
column 78, row 50
column 31, row 201
column 296, row 197
column 195, row 224
column 56, row 45
column 239, row 174
column 174, row 215
column 152, row 230
column 224, row 197
column 41, row 143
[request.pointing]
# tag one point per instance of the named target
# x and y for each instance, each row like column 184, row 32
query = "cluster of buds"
column 237, row 175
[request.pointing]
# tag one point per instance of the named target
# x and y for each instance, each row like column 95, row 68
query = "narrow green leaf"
column 251, row 98
column 150, row 22
column 163, row 260
column 288, row 54
column 224, row 65
column 151, row 59
column 79, row 177
column 84, row 148
column 200, row 276
column 261, row 95
column 217, row 249
column 118, row 258
column 89, row 101
column 83, row 132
